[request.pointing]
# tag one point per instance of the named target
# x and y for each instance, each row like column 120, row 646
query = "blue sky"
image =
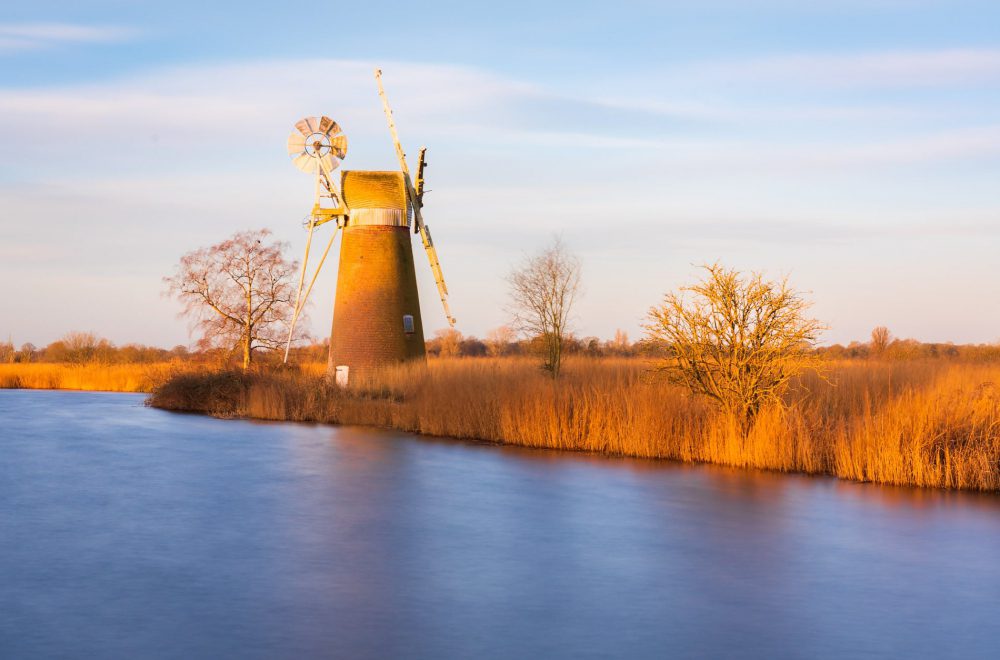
column 854, row 146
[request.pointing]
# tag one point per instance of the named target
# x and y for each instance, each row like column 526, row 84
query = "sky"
column 851, row 146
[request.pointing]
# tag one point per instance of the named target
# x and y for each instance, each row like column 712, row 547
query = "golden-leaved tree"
column 736, row 339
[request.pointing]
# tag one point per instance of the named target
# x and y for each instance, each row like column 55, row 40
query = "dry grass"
column 98, row 377
column 917, row 423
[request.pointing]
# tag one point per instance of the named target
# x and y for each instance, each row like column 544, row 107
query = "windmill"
column 376, row 319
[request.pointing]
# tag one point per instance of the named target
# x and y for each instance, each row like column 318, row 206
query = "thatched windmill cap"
column 375, row 198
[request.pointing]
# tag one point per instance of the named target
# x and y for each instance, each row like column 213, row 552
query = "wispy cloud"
column 728, row 155
column 189, row 114
column 183, row 112
column 245, row 93
column 37, row 36
column 759, row 111
column 956, row 66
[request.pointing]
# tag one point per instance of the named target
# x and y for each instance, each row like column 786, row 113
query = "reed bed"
column 923, row 423
column 91, row 376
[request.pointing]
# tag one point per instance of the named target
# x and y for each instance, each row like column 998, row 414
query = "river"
column 132, row 532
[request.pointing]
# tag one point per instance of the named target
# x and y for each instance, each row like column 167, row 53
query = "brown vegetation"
column 924, row 423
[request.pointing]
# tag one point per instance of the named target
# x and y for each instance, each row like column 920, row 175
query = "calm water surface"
column 131, row 532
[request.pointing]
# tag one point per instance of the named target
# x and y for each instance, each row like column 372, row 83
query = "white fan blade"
column 305, row 162
column 307, row 126
column 296, row 143
column 330, row 163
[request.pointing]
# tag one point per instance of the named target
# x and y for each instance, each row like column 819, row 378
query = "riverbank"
column 921, row 423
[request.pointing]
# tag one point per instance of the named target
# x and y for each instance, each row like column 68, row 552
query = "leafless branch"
column 238, row 293
column 542, row 291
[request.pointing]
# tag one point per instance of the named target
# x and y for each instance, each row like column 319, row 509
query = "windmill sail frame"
column 416, row 200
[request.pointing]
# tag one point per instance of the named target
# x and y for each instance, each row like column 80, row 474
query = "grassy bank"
column 91, row 376
column 921, row 423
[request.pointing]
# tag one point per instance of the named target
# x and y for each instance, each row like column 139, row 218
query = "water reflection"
column 132, row 532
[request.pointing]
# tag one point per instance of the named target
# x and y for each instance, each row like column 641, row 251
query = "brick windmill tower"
column 376, row 316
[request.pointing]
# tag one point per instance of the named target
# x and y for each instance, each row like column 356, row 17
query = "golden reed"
column 923, row 423
column 91, row 376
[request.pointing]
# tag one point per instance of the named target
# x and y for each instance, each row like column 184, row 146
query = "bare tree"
column 738, row 340
column 80, row 348
column 27, row 352
column 499, row 340
column 881, row 337
column 543, row 290
column 239, row 293
column 449, row 342
column 7, row 351
column 620, row 344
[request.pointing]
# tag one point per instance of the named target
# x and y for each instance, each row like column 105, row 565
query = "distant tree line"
column 451, row 343
column 911, row 349
column 503, row 342
column 89, row 348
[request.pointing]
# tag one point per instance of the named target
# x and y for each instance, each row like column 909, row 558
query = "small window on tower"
column 408, row 324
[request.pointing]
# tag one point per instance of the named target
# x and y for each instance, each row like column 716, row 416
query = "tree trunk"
column 554, row 359
column 246, row 352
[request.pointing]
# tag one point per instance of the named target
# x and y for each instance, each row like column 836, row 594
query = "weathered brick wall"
column 376, row 286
